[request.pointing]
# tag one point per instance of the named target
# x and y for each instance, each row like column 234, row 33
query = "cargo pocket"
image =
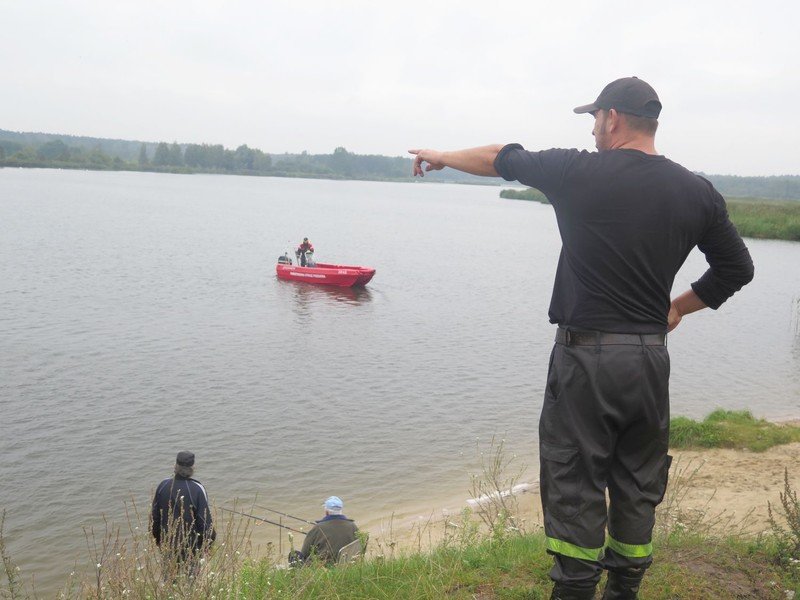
column 560, row 480
column 663, row 477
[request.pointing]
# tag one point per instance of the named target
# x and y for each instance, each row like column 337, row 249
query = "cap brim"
column 586, row 108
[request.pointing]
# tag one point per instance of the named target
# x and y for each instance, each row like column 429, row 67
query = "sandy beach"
column 729, row 488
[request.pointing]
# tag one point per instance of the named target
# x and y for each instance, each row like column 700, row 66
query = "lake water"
column 140, row 315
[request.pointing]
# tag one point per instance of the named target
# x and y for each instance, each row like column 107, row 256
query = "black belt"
column 569, row 337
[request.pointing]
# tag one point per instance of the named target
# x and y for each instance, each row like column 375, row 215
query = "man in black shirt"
column 628, row 218
column 181, row 518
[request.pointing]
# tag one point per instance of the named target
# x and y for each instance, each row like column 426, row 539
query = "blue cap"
column 334, row 503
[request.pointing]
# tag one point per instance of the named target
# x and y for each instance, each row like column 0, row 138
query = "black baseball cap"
column 185, row 459
column 629, row 95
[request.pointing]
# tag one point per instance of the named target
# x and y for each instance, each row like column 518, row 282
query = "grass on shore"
column 730, row 429
column 753, row 217
column 686, row 566
column 765, row 219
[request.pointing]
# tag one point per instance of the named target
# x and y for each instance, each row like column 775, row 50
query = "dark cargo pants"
column 604, row 426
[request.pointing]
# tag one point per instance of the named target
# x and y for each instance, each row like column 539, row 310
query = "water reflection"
column 307, row 294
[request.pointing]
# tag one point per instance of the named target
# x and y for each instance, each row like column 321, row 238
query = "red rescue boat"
column 324, row 274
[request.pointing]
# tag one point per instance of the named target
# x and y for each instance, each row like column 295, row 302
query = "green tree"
column 216, row 156
column 55, row 150
column 175, row 155
column 195, row 156
column 98, row 158
column 10, row 147
column 143, row 160
column 342, row 162
column 243, row 158
column 161, row 157
column 24, row 154
column 261, row 162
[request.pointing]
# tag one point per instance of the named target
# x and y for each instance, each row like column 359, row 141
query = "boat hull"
column 326, row 274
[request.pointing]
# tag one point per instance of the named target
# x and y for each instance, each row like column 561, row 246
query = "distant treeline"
column 71, row 152
column 205, row 158
column 75, row 152
column 778, row 187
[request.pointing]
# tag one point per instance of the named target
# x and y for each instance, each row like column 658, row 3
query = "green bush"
column 526, row 194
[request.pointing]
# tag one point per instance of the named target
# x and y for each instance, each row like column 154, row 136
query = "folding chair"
column 349, row 553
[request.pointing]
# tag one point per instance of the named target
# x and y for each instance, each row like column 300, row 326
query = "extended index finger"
column 416, row 168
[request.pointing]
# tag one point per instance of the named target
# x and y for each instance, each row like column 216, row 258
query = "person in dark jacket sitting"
column 331, row 533
column 181, row 519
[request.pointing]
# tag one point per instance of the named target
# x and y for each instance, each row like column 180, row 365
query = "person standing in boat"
column 305, row 252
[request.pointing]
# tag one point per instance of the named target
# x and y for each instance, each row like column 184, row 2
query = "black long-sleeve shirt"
column 628, row 220
column 181, row 515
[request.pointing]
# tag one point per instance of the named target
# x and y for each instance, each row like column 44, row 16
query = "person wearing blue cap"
column 330, row 534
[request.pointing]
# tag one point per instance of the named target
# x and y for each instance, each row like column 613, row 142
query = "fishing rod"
column 236, row 512
column 277, row 512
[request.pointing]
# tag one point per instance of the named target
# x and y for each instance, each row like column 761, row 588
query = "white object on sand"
column 520, row 488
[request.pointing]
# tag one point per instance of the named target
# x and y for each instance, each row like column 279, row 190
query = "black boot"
column 623, row 584
column 566, row 592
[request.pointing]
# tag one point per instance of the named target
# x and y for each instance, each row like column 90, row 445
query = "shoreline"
column 727, row 487
column 721, row 481
column 719, row 490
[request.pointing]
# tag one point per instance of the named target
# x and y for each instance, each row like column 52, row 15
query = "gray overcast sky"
column 382, row 77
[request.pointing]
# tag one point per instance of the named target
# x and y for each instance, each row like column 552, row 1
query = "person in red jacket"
column 306, row 249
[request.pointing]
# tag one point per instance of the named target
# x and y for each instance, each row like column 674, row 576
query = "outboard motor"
column 284, row 260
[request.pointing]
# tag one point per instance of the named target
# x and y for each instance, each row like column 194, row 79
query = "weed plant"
column 784, row 519
column 124, row 562
column 14, row 587
column 493, row 490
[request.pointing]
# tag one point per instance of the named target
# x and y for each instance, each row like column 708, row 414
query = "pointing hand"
column 432, row 157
